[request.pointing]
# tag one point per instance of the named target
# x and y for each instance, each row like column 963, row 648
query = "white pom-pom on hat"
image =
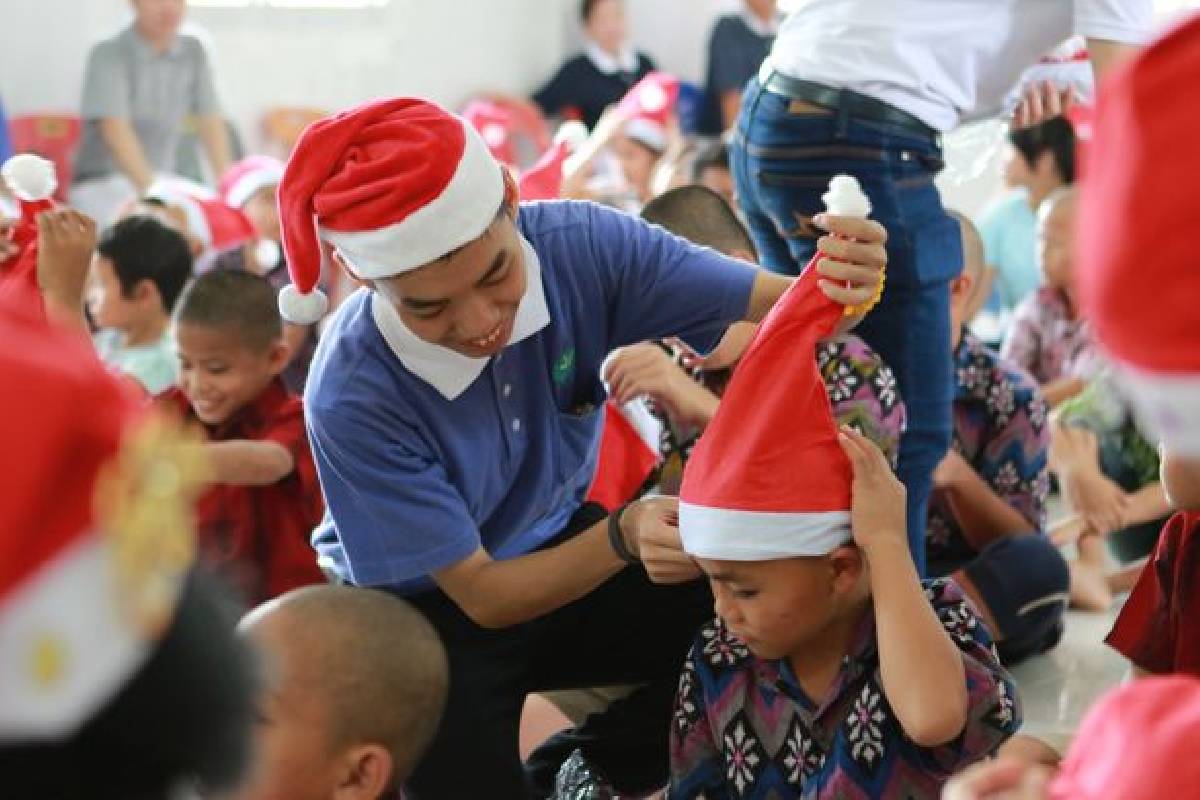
column 573, row 133
column 846, row 198
column 31, row 178
column 300, row 308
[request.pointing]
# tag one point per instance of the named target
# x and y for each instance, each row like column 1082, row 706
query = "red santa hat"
column 768, row 478
column 91, row 562
column 32, row 180
column 1139, row 284
column 647, row 109
column 214, row 224
column 392, row 185
column 543, row 181
column 245, row 178
column 1137, row 743
column 496, row 125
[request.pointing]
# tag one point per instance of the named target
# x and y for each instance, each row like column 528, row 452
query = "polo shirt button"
column 507, row 389
column 517, row 425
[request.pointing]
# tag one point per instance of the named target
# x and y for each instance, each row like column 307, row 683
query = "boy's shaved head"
column 701, row 216
column 972, row 244
column 374, row 664
column 231, row 300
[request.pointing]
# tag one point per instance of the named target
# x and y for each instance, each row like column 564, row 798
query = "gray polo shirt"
column 127, row 79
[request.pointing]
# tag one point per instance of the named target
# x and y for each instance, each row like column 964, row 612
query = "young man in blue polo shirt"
column 454, row 409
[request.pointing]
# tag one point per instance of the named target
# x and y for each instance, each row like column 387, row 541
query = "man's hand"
column 1040, row 101
column 878, row 499
column 1098, row 499
column 66, row 242
column 853, row 260
column 646, row 370
column 651, row 530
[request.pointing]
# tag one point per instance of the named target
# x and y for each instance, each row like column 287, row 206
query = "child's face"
column 606, row 24
column 1181, row 480
column 1056, row 248
column 219, row 373
column 108, row 304
column 263, row 212
column 637, row 163
column 777, row 607
column 467, row 302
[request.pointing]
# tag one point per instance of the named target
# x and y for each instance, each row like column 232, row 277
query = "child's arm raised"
column 248, row 462
column 921, row 668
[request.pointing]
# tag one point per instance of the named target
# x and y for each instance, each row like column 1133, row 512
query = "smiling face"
column 777, row 607
column 466, row 302
column 219, row 373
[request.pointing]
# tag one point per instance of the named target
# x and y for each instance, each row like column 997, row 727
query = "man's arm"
column 499, row 594
column 214, row 136
column 126, row 149
column 248, row 462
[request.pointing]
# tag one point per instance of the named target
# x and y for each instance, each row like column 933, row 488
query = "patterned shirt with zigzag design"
column 744, row 728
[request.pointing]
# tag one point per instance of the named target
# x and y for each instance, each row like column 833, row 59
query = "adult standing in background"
column 607, row 68
column 740, row 42
column 140, row 87
column 868, row 88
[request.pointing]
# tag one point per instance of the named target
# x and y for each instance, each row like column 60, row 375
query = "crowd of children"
column 397, row 482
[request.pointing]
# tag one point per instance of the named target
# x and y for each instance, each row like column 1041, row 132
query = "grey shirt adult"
column 127, row 79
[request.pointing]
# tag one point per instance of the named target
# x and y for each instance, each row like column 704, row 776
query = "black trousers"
column 627, row 631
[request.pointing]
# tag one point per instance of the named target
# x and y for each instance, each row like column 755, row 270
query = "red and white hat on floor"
column 497, row 127
column 92, row 561
column 392, row 185
column 245, row 178
column 1139, row 280
column 647, row 109
column 1137, row 743
column 210, row 220
column 768, row 478
column 543, row 181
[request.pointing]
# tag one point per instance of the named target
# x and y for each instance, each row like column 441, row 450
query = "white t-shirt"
column 941, row 60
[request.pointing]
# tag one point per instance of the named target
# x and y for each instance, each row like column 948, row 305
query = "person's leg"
column 791, row 153
column 629, row 631
column 1020, row 586
column 475, row 753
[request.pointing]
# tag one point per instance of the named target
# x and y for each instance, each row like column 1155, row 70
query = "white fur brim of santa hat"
column 392, row 185
column 1167, row 406
column 249, row 176
column 732, row 535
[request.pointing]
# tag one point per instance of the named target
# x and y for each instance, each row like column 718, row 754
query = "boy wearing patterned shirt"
column 831, row 669
column 988, row 511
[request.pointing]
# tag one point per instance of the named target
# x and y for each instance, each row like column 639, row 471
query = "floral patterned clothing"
column 1048, row 340
column 744, row 728
column 1000, row 429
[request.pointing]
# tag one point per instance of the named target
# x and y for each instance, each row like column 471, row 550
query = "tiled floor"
column 1059, row 687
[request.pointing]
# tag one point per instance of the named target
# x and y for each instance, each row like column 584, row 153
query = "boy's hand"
column 951, row 470
column 651, row 530
column 999, row 779
column 646, row 370
column 7, row 248
column 1098, row 499
column 854, row 260
column 66, row 242
column 877, row 513
column 1041, row 101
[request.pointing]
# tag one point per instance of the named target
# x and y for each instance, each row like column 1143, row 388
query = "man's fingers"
column 1051, row 102
column 847, row 297
column 842, row 271
column 866, row 231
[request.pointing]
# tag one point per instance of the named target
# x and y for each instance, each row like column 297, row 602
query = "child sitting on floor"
column 831, row 670
column 256, row 519
column 141, row 267
column 356, row 683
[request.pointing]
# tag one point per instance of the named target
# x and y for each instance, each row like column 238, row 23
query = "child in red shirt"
column 255, row 521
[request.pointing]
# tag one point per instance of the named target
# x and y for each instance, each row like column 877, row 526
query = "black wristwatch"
column 616, row 540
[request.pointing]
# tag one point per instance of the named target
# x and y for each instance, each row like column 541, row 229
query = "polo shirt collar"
column 625, row 61
column 146, row 51
column 765, row 30
column 442, row 368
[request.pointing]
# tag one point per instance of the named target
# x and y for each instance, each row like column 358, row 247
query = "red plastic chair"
column 52, row 136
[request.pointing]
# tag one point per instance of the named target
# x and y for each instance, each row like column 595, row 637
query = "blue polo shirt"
column 415, row 482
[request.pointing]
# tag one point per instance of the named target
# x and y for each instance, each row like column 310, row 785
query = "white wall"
column 268, row 57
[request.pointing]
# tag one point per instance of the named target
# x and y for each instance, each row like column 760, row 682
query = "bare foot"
column 1089, row 585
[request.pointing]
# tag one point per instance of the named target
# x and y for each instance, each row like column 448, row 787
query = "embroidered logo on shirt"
column 564, row 368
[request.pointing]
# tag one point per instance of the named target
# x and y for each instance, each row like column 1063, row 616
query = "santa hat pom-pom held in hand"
column 31, row 178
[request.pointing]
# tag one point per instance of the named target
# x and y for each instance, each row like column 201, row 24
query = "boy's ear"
column 366, row 773
column 847, row 565
column 278, row 356
column 144, row 291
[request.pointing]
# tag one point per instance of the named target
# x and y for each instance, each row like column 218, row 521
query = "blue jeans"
column 782, row 160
